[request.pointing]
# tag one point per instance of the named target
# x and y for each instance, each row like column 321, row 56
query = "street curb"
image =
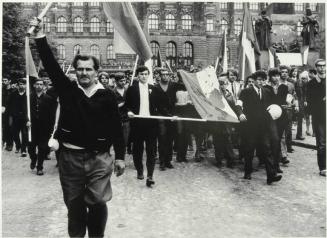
column 304, row 145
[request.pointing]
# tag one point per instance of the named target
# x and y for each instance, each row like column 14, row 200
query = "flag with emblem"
column 203, row 88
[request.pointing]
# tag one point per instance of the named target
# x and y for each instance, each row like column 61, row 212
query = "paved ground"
column 192, row 200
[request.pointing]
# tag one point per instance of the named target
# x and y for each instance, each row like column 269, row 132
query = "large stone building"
column 186, row 33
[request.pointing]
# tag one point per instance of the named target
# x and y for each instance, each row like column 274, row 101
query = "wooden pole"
column 40, row 16
column 134, row 69
column 28, row 107
column 170, row 118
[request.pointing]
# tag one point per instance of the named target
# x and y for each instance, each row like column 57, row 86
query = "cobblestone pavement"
column 191, row 200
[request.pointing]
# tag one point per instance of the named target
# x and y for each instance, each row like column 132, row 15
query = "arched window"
column 94, row 4
column 188, row 53
column 186, row 22
column 299, row 28
column 110, row 52
column 46, row 24
column 153, row 22
column 95, row 24
column 155, row 48
column 223, row 5
column 298, row 7
column 209, row 24
column 171, row 54
column 238, row 5
column 61, row 51
column 62, row 4
column 28, row 3
column 77, row 4
column 61, row 24
column 95, row 51
column 78, row 24
column 223, row 26
column 77, row 49
column 110, row 27
column 313, row 6
column 170, row 22
column 238, row 27
column 254, row 6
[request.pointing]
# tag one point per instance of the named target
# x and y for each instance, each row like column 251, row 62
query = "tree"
column 13, row 40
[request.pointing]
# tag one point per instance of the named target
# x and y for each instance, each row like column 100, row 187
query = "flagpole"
column 170, row 118
column 28, row 106
column 168, row 66
column 68, row 69
column 243, row 58
column 134, row 69
column 40, row 16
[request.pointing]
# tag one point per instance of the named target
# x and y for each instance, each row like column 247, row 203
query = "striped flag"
column 221, row 62
column 203, row 88
column 249, row 48
column 124, row 20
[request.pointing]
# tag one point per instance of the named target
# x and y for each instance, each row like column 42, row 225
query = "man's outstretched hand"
column 38, row 32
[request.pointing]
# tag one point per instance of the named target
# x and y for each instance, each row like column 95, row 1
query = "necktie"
column 259, row 93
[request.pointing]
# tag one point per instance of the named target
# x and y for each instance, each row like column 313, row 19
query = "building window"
column 77, row 4
column 299, row 28
column 61, row 24
column 62, row 4
column 110, row 27
column 254, row 6
column 186, row 22
column 188, row 54
column 95, row 24
column 77, row 49
column 170, row 22
column 78, row 24
column 171, row 54
column 238, row 27
column 43, row 3
column 94, row 4
column 28, row 3
column 298, row 7
column 95, row 51
column 238, row 5
column 313, row 6
column 153, row 22
column 110, row 52
column 154, row 48
column 209, row 24
column 223, row 26
column 46, row 24
column 61, row 52
column 223, row 5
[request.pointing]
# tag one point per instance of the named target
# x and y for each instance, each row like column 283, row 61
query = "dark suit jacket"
column 140, row 126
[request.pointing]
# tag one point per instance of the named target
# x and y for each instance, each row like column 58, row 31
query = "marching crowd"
column 81, row 117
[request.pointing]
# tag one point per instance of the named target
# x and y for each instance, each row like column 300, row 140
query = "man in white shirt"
column 139, row 101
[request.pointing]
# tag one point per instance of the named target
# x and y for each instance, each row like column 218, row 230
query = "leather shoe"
column 169, row 166
column 32, row 165
column 276, row 178
column 290, row 150
column 23, row 154
column 179, row 160
column 279, row 171
column 300, row 138
column 322, row 173
column 162, row 167
column 285, row 160
column 140, row 176
column 247, row 176
column 149, row 182
column 39, row 172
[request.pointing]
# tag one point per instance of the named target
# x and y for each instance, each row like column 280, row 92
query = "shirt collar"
column 93, row 90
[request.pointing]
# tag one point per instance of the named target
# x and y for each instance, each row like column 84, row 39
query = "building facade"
column 185, row 33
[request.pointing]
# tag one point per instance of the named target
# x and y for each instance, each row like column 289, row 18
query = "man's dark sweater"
column 89, row 122
column 18, row 106
column 316, row 98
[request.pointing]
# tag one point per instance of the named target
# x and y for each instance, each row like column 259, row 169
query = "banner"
column 203, row 88
column 221, row 62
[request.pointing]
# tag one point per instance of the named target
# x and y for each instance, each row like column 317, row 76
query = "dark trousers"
column 6, row 131
column 41, row 142
column 222, row 142
column 19, row 126
column 319, row 128
column 165, row 141
column 300, row 117
column 184, row 131
column 258, row 137
column 288, row 129
column 274, row 143
column 144, row 133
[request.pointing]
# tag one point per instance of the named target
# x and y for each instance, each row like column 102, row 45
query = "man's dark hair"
column 312, row 71
column 22, row 80
column 119, row 76
column 162, row 70
column 273, row 72
column 112, row 76
column 84, row 58
column 259, row 73
column 284, row 67
column 292, row 70
column 233, row 71
column 38, row 80
column 141, row 68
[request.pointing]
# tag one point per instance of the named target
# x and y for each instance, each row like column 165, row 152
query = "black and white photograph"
column 163, row 119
